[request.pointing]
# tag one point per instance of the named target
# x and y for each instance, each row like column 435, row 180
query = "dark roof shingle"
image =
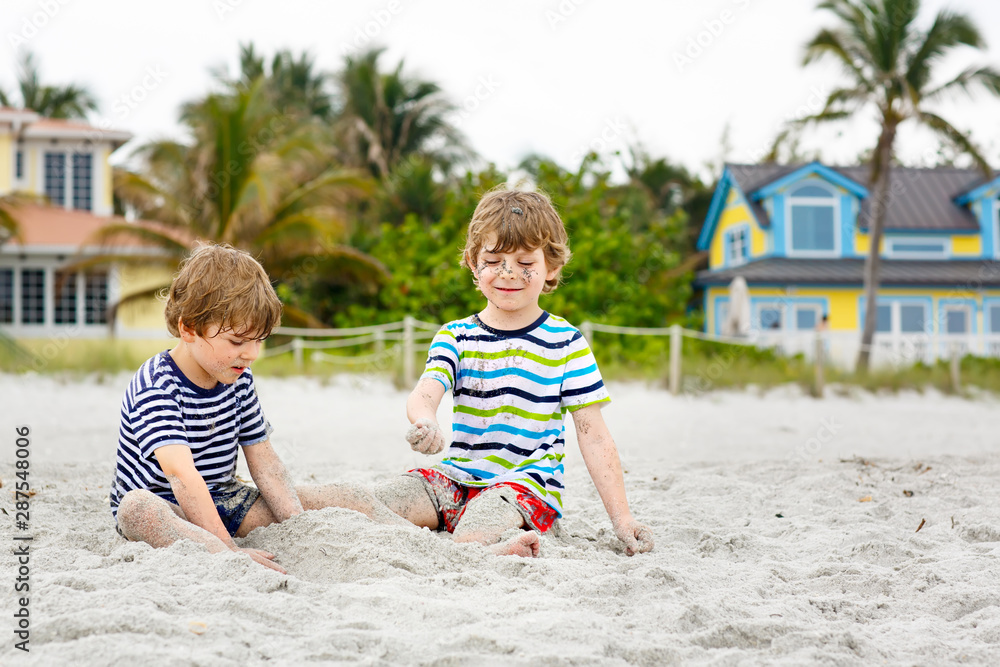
column 961, row 274
column 919, row 200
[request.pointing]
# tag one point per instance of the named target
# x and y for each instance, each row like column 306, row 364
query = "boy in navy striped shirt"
column 188, row 410
column 514, row 371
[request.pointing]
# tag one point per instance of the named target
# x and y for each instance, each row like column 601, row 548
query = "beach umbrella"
column 738, row 320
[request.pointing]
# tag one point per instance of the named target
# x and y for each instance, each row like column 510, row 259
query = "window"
column 959, row 317
column 806, row 317
column 996, row 229
column 883, row 322
column 55, row 178
column 771, row 317
column 911, row 318
column 19, row 165
column 722, row 315
column 812, row 219
column 82, row 181
column 917, row 248
column 737, row 245
column 32, row 296
column 993, row 317
column 95, row 303
column 7, row 296
column 956, row 320
column 899, row 316
column 65, row 298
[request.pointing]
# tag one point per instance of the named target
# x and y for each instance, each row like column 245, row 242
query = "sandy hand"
column 265, row 558
column 638, row 539
column 425, row 437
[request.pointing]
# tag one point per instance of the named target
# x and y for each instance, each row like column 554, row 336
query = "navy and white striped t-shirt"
column 163, row 407
column 511, row 389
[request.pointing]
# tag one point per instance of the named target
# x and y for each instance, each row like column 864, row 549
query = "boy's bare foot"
column 526, row 545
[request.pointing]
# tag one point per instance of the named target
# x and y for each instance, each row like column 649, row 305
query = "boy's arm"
column 272, row 480
column 194, row 499
column 425, row 435
column 601, row 456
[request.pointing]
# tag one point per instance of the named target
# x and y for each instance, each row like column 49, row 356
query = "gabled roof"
column 961, row 274
column 29, row 124
column 920, row 199
column 804, row 171
column 987, row 187
column 57, row 128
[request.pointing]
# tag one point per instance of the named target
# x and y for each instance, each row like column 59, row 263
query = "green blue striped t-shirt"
column 511, row 390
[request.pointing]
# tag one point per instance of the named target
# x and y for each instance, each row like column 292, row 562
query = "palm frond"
column 959, row 139
column 987, row 77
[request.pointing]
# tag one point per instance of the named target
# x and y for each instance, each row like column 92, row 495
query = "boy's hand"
column 265, row 558
column 638, row 538
column 425, row 436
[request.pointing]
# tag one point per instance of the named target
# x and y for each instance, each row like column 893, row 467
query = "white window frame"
column 988, row 306
column 796, row 307
column 729, row 244
column 778, row 305
column 68, row 152
column 963, row 307
column 71, row 155
column 890, row 248
column 896, row 315
column 19, row 180
column 996, row 228
column 833, row 201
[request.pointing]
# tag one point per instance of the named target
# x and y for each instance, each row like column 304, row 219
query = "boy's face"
column 219, row 355
column 512, row 281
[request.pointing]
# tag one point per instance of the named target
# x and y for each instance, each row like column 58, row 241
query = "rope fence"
column 410, row 336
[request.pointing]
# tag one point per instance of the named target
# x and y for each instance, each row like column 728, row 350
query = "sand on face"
column 832, row 580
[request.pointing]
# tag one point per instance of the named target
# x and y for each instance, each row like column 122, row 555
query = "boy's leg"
column 145, row 517
column 349, row 496
column 408, row 497
column 316, row 497
column 487, row 517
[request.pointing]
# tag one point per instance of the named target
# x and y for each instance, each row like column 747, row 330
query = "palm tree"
column 890, row 63
column 255, row 178
column 388, row 117
column 294, row 84
column 70, row 101
column 9, row 228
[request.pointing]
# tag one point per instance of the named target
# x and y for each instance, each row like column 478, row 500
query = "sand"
column 786, row 534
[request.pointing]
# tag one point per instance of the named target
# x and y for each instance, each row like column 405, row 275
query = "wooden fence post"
column 408, row 351
column 675, row 359
column 297, row 353
column 818, row 361
column 587, row 329
column 956, row 369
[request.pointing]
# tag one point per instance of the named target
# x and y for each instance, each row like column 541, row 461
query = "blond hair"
column 520, row 220
column 220, row 285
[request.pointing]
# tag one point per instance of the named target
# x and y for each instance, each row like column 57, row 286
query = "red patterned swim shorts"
column 451, row 498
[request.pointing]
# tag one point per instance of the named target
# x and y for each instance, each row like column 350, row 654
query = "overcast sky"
column 553, row 77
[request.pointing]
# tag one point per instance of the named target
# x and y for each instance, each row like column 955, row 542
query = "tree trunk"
column 879, row 184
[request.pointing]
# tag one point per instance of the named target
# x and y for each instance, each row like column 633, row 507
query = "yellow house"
column 798, row 235
column 67, row 163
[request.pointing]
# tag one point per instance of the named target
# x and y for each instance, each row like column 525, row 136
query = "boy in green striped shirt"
column 514, row 370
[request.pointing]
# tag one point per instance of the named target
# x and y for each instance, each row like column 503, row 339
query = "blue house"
column 798, row 235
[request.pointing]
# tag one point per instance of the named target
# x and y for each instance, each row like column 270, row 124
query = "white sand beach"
column 786, row 534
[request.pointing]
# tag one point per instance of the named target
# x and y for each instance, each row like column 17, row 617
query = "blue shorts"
column 233, row 500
